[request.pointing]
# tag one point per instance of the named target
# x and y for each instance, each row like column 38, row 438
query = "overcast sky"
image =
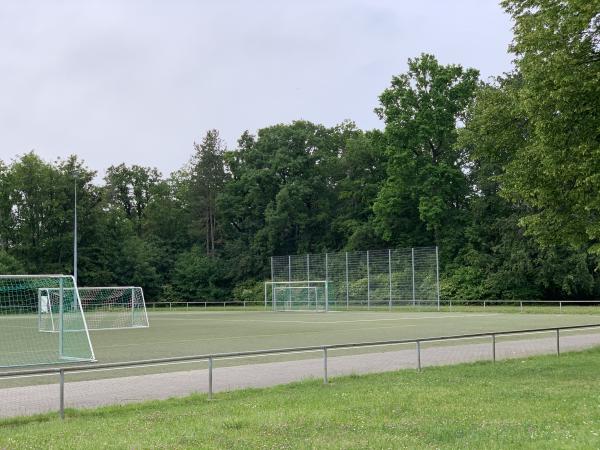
column 140, row 81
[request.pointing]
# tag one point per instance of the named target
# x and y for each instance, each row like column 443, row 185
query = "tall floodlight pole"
column 75, row 230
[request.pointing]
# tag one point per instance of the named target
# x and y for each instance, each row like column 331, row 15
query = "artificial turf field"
column 183, row 333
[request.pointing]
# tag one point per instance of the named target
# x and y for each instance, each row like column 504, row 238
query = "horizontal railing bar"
column 147, row 362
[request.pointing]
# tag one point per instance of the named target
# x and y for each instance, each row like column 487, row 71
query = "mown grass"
column 541, row 402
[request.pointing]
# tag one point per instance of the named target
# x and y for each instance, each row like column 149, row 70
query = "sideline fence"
column 211, row 358
column 445, row 305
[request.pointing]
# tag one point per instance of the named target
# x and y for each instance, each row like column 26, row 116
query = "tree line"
column 503, row 175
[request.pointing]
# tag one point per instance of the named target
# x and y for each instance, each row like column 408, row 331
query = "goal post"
column 297, row 295
column 105, row 308
column 23, row 313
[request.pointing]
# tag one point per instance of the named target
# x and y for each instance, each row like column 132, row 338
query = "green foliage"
column 197, row 276
column 251, row 292
column 9, row 264
column 556, row 172
column 504, row 177
column 424, row 197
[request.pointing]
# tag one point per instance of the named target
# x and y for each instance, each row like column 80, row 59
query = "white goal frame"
column 274, row 286
column 139, row 305
column 67, row 333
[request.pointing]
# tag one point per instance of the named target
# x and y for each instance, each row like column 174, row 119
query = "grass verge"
column 541, row 402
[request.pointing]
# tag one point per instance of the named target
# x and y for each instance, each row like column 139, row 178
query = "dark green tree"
column 556, row 172
column 423, row 198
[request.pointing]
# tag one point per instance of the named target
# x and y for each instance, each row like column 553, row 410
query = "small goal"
column 105, row 308
column 297, row 295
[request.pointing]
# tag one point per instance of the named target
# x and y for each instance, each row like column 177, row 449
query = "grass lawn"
column 542, row 402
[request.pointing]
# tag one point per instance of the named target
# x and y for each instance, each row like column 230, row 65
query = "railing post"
column 325, row 378
column 418, row 356
column 61, row 376
column 210, row 378
column 493, row 348
column 558, row 342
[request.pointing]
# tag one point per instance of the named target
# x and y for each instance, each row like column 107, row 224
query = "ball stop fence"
column 357, row 280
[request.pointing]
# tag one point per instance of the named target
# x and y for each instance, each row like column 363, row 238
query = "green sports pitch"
column 183, row 333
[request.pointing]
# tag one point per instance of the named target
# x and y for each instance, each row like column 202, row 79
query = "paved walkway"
column 88, row 394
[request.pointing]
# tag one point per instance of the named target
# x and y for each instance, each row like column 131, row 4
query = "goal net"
column 105, row 308
column 21, row 342
column 297, row 295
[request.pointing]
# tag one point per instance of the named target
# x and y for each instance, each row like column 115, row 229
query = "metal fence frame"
column 210, row 358
column 371, row 278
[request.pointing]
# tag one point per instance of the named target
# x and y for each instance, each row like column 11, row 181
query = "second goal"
column 297, row 295
column 105, row 308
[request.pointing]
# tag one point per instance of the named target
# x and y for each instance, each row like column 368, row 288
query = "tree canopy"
column 503, row 176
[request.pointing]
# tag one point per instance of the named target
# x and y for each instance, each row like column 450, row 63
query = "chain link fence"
column 367, row 279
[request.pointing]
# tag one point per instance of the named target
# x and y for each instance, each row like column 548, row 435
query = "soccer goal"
column 105, row 308
column 21, row 342
column 297, row 295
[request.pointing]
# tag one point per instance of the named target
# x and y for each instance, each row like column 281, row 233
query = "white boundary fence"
column 367, row 279
column 210, row 358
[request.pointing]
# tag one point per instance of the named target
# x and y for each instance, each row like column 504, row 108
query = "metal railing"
column 444, row 304
column 210, row 358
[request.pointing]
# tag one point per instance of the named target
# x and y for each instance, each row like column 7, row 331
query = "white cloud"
column 138, row 82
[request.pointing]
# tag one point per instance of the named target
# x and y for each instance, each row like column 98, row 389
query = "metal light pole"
column 75, row 231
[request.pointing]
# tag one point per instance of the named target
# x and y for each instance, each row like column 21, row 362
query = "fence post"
column 61, row 376
column 560, row 306
column 437, row 275
column 368, row 283
column 325, row 378
column 347, row 287
column 558, row 342
column 418, row 356
column 521, row 302
column 493, row 348
column 326, row 283
column 484, row 304
column 413, row 277
column 390, row 274
column 289, row 296
column 210, row 378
